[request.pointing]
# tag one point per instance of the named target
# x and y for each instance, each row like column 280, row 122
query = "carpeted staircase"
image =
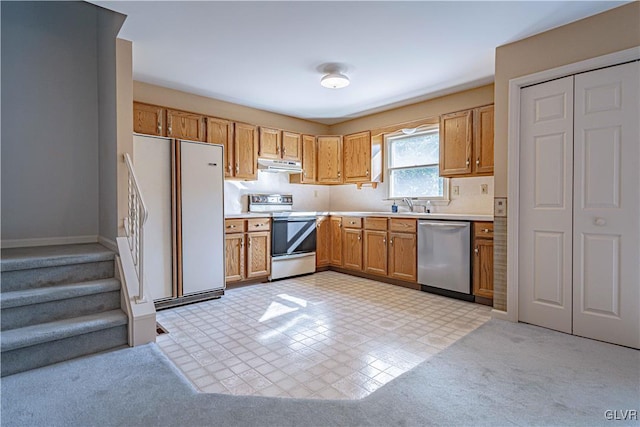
column 58, row 303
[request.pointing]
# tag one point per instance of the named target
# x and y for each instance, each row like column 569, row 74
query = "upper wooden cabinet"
column 483, row 119
column 362, row 157
column 245, row 151
column 329, row 160
column 277, row 144
column 466, row 142
column 309, row 165
column 183, row 125
column 220, row 131
column 291, row 146
column 149, row 119
column 269, row 143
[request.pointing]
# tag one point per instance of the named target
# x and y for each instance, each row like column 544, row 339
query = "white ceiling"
column 270, row 55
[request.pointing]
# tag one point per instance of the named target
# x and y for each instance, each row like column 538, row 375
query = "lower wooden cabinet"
column 248, row 253
column 389, row 253
column 483, row 259
column 375, row 252
column 323, row 241
column 403, row 256
column 335, row 234
column 352, row 249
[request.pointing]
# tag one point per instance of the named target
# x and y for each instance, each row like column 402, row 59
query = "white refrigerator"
column 182, row 183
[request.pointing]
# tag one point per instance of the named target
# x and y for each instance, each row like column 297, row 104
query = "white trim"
column 513, row 147
column 48, row 241
column 108, row 243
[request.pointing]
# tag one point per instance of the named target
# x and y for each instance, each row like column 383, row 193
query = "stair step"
column 60, row 329
column 42, row 305
column 16, row 280
column 58, row 292
column 13, row 259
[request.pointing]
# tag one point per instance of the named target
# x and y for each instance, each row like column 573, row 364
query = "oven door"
column 293, row 235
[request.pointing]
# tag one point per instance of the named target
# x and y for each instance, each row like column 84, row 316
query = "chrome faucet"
column 409, row 203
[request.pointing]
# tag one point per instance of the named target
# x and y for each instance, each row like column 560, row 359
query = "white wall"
column 348, row 198
column 470, row 200
column 51, row 123
column 305, row 197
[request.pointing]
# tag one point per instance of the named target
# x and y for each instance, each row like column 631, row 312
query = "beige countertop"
column 442, row 216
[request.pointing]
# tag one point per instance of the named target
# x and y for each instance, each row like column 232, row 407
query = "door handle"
column 600, row 221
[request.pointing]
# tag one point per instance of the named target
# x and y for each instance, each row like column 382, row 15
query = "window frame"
column 388, row 140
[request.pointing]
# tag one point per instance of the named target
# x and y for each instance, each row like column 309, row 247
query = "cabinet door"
column 329, row 160
column 483, row 140
column 375, row 252
column 336, row 241
column 352, row 248
column 148, row 119
column 269, row 145
column 308, row 159
column 246, row 151
column 323, row 241
column 291, row 146
column 357, row 157
column 258, row 254
column 455, row 143
column 182, row 125
column 221, row 132
column 234, row 257
column 483, row 268
column 403, row 256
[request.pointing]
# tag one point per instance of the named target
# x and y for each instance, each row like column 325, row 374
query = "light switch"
column 500, row 206
column 456, row 190
column 484, row 188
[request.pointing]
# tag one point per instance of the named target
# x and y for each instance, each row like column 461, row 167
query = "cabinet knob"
column 485, row 230
column 468, row 162
column 237, row 168
column 159, row 127
column 391, row 241
column 476, row 251
column 338, row 174
column 249, row 242
column 384, row 241
column 367, row 172
column 231, row 226
column 359, row 237
column 477, row 162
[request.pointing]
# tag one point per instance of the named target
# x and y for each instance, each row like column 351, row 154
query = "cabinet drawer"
column 234, row 225
column 483, row 230
column 402, row 224
column 259, row 224
column 371, row 223
column 352, row 222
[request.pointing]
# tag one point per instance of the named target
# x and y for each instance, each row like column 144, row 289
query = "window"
column 413, row 169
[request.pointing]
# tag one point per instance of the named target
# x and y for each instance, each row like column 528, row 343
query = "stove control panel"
column 270, row 202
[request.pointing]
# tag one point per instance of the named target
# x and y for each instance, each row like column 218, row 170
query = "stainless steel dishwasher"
column 444, row 257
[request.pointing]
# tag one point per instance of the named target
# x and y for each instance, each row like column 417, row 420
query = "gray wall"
column 109, row 24
column 52, row 134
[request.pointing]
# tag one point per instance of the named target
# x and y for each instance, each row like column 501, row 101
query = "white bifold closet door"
column 579, row 238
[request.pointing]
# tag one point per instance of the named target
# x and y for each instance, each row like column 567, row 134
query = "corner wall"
column 607, row 32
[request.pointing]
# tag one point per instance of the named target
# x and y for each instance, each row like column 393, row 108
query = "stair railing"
column 134, row 226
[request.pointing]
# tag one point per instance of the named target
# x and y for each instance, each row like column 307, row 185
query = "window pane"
column 416, row 182
column 415, row 150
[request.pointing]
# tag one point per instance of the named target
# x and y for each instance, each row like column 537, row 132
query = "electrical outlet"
column 456, row 190
column 500, row 206
column 484, row 188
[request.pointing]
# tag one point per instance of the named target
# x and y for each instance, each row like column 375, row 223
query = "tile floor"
column 323, row 336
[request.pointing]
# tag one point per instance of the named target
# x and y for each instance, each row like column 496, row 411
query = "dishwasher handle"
column 443, row 224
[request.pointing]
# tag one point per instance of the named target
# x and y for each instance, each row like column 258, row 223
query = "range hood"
column 285, row 166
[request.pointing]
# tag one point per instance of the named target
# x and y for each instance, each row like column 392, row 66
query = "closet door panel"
column 546, row 174
column 606, row 280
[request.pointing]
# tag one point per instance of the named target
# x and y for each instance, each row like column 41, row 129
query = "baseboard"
column 500, row 315
column 48, row 241
column 108, row 243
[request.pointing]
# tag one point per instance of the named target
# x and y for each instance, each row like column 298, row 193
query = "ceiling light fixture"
column 335, row 80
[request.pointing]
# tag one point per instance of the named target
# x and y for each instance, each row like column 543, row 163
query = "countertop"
column 444, row 216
